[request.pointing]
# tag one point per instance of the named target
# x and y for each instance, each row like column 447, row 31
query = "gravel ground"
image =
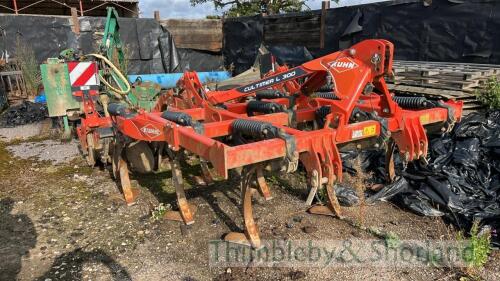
column 48, row 150
column 22, row 132
column 70, row 222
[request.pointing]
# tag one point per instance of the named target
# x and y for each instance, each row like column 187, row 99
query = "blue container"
column 169, row 80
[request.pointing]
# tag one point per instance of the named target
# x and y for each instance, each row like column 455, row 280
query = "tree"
column 236, row 8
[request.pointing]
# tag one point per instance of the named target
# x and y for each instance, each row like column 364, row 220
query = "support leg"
column 67, row 131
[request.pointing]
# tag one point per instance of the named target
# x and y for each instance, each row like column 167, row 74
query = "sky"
column 183, row 9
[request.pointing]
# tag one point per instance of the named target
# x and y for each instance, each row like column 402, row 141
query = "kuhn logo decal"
column 343, row 64
column 150, row 131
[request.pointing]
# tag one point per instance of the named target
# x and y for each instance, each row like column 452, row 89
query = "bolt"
column 358, row 146
column 352, row 52
column 377, row 145
column 386, row 110
column 376, row 59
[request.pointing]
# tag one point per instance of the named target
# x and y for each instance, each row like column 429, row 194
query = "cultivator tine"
column 186, row 212
column 205, row 170
column 332, row 207
column 251, row 236
column 389, row 161
column 129, row 193
column 262, row 184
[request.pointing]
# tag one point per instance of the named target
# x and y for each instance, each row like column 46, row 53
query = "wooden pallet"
column 458, row 81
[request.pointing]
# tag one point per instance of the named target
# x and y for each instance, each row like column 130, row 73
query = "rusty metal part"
column 332, row 207
column 129, row 193
column 262, row 184
column 251, row 235
column 205, row 170
column 186, row 212
column 315, row 184
column 90, row 157
column 389, row 161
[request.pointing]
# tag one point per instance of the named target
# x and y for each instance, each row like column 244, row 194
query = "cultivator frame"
column 282, row 120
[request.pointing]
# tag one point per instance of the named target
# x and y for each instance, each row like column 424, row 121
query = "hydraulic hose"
column 118, row 73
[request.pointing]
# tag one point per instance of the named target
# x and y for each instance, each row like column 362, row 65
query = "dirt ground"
column 70, row 222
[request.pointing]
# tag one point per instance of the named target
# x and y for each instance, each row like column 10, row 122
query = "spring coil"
column 326, row 95
column 180, row 118
column 412, row 102
column 255, row 129
column 328, row 87
column 263, row 107
column 269, row 94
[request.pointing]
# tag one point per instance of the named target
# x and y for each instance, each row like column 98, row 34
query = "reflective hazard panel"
column 425, row 119
column 365, row 132
column 369, row 131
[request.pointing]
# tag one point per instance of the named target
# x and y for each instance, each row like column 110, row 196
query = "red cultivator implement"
column 300, row 115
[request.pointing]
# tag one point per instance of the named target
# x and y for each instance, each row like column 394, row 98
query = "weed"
column 392, row 240
column 477, row 249
column 26, row 62
column 490, row 94
column 358, row 183
column 159, row 212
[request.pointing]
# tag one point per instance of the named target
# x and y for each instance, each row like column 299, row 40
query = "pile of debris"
column 24, row 113
column 461, row 182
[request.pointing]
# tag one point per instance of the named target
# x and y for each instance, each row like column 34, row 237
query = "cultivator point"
column 305, row 115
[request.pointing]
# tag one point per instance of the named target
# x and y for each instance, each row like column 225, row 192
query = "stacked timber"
column 458, row 81
column 204, row 34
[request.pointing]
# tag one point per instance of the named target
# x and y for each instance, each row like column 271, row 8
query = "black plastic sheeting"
column 242, row 39
column 46, row 35
column 461, row 182
column 24, row 113
column 148, row 45
column 462, row 31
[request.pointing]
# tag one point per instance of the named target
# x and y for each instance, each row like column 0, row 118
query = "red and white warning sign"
column 83, row 74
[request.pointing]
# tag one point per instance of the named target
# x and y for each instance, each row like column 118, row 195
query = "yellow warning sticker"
column 425, row 119
column 369, row 131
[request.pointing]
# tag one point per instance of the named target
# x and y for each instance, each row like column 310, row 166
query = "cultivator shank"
column 300, row 115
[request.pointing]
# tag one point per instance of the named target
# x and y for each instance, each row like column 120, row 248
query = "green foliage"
column 237, row 8
column 490, row 95
column 477, row 249
column 159, row 212
column 392, row 240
